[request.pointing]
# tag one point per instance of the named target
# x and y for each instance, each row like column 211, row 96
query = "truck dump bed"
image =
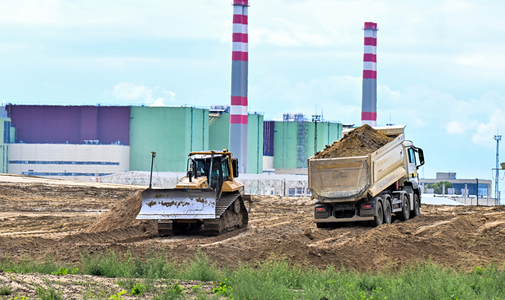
column 352, row 178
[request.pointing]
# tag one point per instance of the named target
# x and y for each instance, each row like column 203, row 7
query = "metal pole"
column 466, row 192
column 497, row 176
column 477, row 192
column 153, row 155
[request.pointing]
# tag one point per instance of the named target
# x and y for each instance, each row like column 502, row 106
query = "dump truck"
column 368, row 188
column 208, row 199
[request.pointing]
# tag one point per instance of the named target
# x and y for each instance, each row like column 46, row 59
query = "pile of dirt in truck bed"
column 358, row 142
column 122, row 215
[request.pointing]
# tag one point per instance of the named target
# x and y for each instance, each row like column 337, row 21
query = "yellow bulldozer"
column 208, row 199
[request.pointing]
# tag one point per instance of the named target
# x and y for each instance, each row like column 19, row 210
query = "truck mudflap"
column 174, row 204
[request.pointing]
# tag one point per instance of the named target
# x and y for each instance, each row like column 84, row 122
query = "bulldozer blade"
column 173, row 204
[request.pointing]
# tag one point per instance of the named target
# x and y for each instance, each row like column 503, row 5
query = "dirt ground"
column 91, row 287
column 42, row 216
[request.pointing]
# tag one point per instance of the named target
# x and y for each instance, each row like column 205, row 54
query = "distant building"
column 85, row 141
column 290, row 142
column 459, row 184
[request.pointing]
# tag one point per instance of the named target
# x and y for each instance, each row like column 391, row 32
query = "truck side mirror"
column 421, row 156
column 234, row 165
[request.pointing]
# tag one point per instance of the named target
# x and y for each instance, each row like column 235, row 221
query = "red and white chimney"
column 239, row 67
column 369, row 100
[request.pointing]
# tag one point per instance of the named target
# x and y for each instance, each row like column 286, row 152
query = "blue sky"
column 441, row 68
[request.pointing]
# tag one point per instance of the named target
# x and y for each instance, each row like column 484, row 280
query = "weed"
column 223, row 289
column 196, row 288
column 201, row 268
column 5, row 291
column 117, row 296
column 477, row 271
column 48, row 266
column 138, row 289
column 49, row 294
column 174, row 291
column 176, row 288
column 61, row 271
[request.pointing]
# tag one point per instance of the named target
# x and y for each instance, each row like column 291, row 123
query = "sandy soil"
column 358, row 142
column 90, row 287
column 40, row 217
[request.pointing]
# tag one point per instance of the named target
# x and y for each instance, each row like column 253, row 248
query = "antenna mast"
column 497, row 138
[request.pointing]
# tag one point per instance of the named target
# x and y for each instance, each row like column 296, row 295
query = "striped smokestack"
column 238, row 111
column 369, row 102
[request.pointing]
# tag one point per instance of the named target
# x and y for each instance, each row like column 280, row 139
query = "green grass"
column 49, row 294
column 277, row 278
column 5, row 291
column 48, row 266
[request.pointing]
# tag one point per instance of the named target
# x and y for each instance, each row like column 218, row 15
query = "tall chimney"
column 369, row 101
column 239, row 65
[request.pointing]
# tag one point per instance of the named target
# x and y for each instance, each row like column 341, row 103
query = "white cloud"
column 130, row 91
column 172, row 94
column 455, row 127
column 487, row 130
column 158, row 102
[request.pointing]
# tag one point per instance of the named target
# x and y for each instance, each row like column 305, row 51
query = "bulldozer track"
column 225, row 219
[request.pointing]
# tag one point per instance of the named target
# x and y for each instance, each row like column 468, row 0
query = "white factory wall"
column 268, row 162
column 81, row 162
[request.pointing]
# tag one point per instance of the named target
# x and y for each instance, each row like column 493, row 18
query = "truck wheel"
column 379, row 218
column 387, row 212
column 417, row 207
column 321, row 225
column 404, row 215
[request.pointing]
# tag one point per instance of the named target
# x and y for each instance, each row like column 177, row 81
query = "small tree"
column 437, row 187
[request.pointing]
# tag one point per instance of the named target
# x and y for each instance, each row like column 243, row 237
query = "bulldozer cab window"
column 215, row 176
column 202, row 166
column 225, row 168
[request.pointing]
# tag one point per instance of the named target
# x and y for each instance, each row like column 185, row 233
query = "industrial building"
column 6, row 138
column 82, row 142
column 220, row 124
column 171, row 132
column 472, row 185
column 290, row 142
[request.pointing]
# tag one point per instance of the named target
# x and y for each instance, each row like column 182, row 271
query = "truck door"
column 413, row 164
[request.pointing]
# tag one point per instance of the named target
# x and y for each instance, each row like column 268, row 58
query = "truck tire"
column 404, row 215
column 379, row 218
column 387, row 212
column 417, row 207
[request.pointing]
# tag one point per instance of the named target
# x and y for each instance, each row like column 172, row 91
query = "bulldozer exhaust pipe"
column 153, row 154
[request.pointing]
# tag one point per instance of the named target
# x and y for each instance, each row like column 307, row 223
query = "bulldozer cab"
column 215, row 167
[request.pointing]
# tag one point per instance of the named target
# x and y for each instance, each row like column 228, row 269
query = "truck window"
column 412, row 156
